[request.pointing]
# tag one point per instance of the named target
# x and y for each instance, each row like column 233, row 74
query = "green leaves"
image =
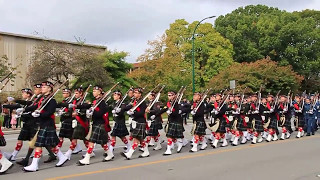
column 260, row 31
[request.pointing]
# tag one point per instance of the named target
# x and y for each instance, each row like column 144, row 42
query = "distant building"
column 20, row 48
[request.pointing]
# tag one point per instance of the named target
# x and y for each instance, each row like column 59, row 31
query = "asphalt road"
column 286, row 160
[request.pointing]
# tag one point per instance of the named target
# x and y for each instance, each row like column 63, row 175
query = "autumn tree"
column 266, row 73
column 169, row 58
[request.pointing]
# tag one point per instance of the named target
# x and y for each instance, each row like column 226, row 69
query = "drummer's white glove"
column 271, row 110
column 70, row 106
column 130, row 112
column 193, row 112
column 89, row 112
column 169, row 112
column 113, row 111
column 19, row 111
column 36, row 113
column 153, row 117
column 118, row 110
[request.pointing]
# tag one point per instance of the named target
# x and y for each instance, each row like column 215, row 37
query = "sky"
column 123, row 25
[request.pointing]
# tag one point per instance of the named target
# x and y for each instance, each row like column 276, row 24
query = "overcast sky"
column 118, row 24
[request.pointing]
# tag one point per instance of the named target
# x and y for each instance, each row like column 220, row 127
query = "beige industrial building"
column 20, row 48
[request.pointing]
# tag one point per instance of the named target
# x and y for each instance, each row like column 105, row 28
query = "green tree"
column 288, row 38
column 114, row 63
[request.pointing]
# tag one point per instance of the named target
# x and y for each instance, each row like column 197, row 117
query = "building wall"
column 20, row 49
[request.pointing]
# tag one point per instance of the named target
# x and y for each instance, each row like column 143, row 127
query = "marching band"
column 234, row 118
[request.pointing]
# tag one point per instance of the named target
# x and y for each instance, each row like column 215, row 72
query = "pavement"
column 292, row 159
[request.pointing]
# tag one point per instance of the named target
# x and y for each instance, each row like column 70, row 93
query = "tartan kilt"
column 301, row 121
column 222, row 125
column 66, row 130
column 99, row 134
column 200, row 128
column 2, row 141
column 273, row 123
column 47, row 137
column 158, row 124
column 154, row 128
column 175, row 130
column 258, row 127
column 241, row 125
column 139, row 132
column 28, row 131
column 79, row 132
column 119, row 130
column 228, row 125
column 287, row 122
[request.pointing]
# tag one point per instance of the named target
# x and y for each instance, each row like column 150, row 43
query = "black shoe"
column 308, row 134
column 23, row 162
column 313, row 133
column 50, row 159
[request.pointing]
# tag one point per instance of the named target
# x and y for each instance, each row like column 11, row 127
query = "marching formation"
column 231, row 117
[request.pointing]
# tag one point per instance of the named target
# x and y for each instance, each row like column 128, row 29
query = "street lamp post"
column 194, row 31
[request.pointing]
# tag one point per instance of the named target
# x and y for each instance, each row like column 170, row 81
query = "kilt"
column 119, row 130
column 154, row 128
column 258, row 127
column 287, row 122
column 159, row 124
column 66, row 130
column 79, row 132
column 47, row 137
column 273, row 123
column 301, row 121
column 200, row 128
column 28, row 131
column 241, row 125
column 2, row 141
column 99, row 134
column 222, row 125
column 175, row 130
column 139, row 132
